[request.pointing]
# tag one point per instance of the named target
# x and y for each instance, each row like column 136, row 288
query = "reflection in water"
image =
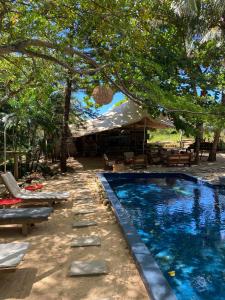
column 170, row 181
column 183, row 225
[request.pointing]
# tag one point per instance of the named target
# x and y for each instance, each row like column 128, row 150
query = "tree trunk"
column 198, row 140
column 65, row 131
column 212, row 153
column 217, row 132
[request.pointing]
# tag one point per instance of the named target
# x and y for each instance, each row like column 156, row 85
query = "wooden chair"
column 140, row 161
column 128, row 157
column 108, row 163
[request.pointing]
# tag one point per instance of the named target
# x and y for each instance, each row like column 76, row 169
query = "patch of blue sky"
column 80, row 95
column 212, row 93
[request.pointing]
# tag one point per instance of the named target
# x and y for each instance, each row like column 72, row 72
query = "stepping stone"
column 83, row 200
column 84, row 211
column 11, row 254
column 81, row 224
column 82, row 268
column 86, row 241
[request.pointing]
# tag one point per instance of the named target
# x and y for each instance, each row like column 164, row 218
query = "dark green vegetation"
column 166, row 55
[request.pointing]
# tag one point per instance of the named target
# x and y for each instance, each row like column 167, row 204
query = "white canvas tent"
column 124, row 115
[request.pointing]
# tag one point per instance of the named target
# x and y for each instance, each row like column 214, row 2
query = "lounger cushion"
column 11, row 254
column 25, row 213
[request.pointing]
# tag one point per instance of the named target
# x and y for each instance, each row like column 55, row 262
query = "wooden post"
column 144, row 137
column 25, row 229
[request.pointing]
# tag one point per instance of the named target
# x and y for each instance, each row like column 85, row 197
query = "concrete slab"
column 86, row 241
column 83, row 197
column 11, row 254
column 81, row 224
column 84, row 211
column 85, row 268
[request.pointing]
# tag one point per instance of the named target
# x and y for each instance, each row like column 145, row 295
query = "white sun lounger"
column 11, row 254
column 13, row 188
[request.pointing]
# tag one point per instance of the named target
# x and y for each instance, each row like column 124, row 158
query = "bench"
column 24, row 216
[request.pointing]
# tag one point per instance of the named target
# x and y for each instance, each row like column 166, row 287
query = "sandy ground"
column 44, row 272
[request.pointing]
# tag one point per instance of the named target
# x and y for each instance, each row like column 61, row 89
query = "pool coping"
column 156, row 284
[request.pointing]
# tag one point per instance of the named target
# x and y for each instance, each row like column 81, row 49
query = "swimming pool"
column 181, row 221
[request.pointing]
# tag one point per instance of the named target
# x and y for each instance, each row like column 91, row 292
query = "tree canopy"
column 167, row 55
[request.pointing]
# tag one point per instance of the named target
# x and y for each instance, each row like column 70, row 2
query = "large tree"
column 152, row 53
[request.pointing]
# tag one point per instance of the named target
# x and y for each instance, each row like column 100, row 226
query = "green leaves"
column 155, row 54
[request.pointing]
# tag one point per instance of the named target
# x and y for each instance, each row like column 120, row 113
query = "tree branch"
column 21, row 47
column 49, row 45
column 192, row 112
column 46, row 57
column 14, row 93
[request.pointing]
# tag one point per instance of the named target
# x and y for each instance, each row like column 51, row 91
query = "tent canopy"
column 126, row 114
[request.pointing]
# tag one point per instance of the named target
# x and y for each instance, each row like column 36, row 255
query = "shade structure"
column 126, row 114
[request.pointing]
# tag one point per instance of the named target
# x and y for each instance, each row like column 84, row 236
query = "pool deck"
column 44, row 272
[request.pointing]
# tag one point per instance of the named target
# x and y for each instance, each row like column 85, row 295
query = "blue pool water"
column 182, row 222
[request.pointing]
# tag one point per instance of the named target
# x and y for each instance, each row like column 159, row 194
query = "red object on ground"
column 33, row 187
column 10, row 201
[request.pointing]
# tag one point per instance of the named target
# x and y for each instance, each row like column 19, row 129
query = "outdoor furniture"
column 33, row 187
column 24, row 216
column 153, row 153
column 128, row 157
column 17, row 192
column 178, row 159
column 108, row 163
column 118, row 167
column 140, row 161
column 10, row 201
column 11, row 254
